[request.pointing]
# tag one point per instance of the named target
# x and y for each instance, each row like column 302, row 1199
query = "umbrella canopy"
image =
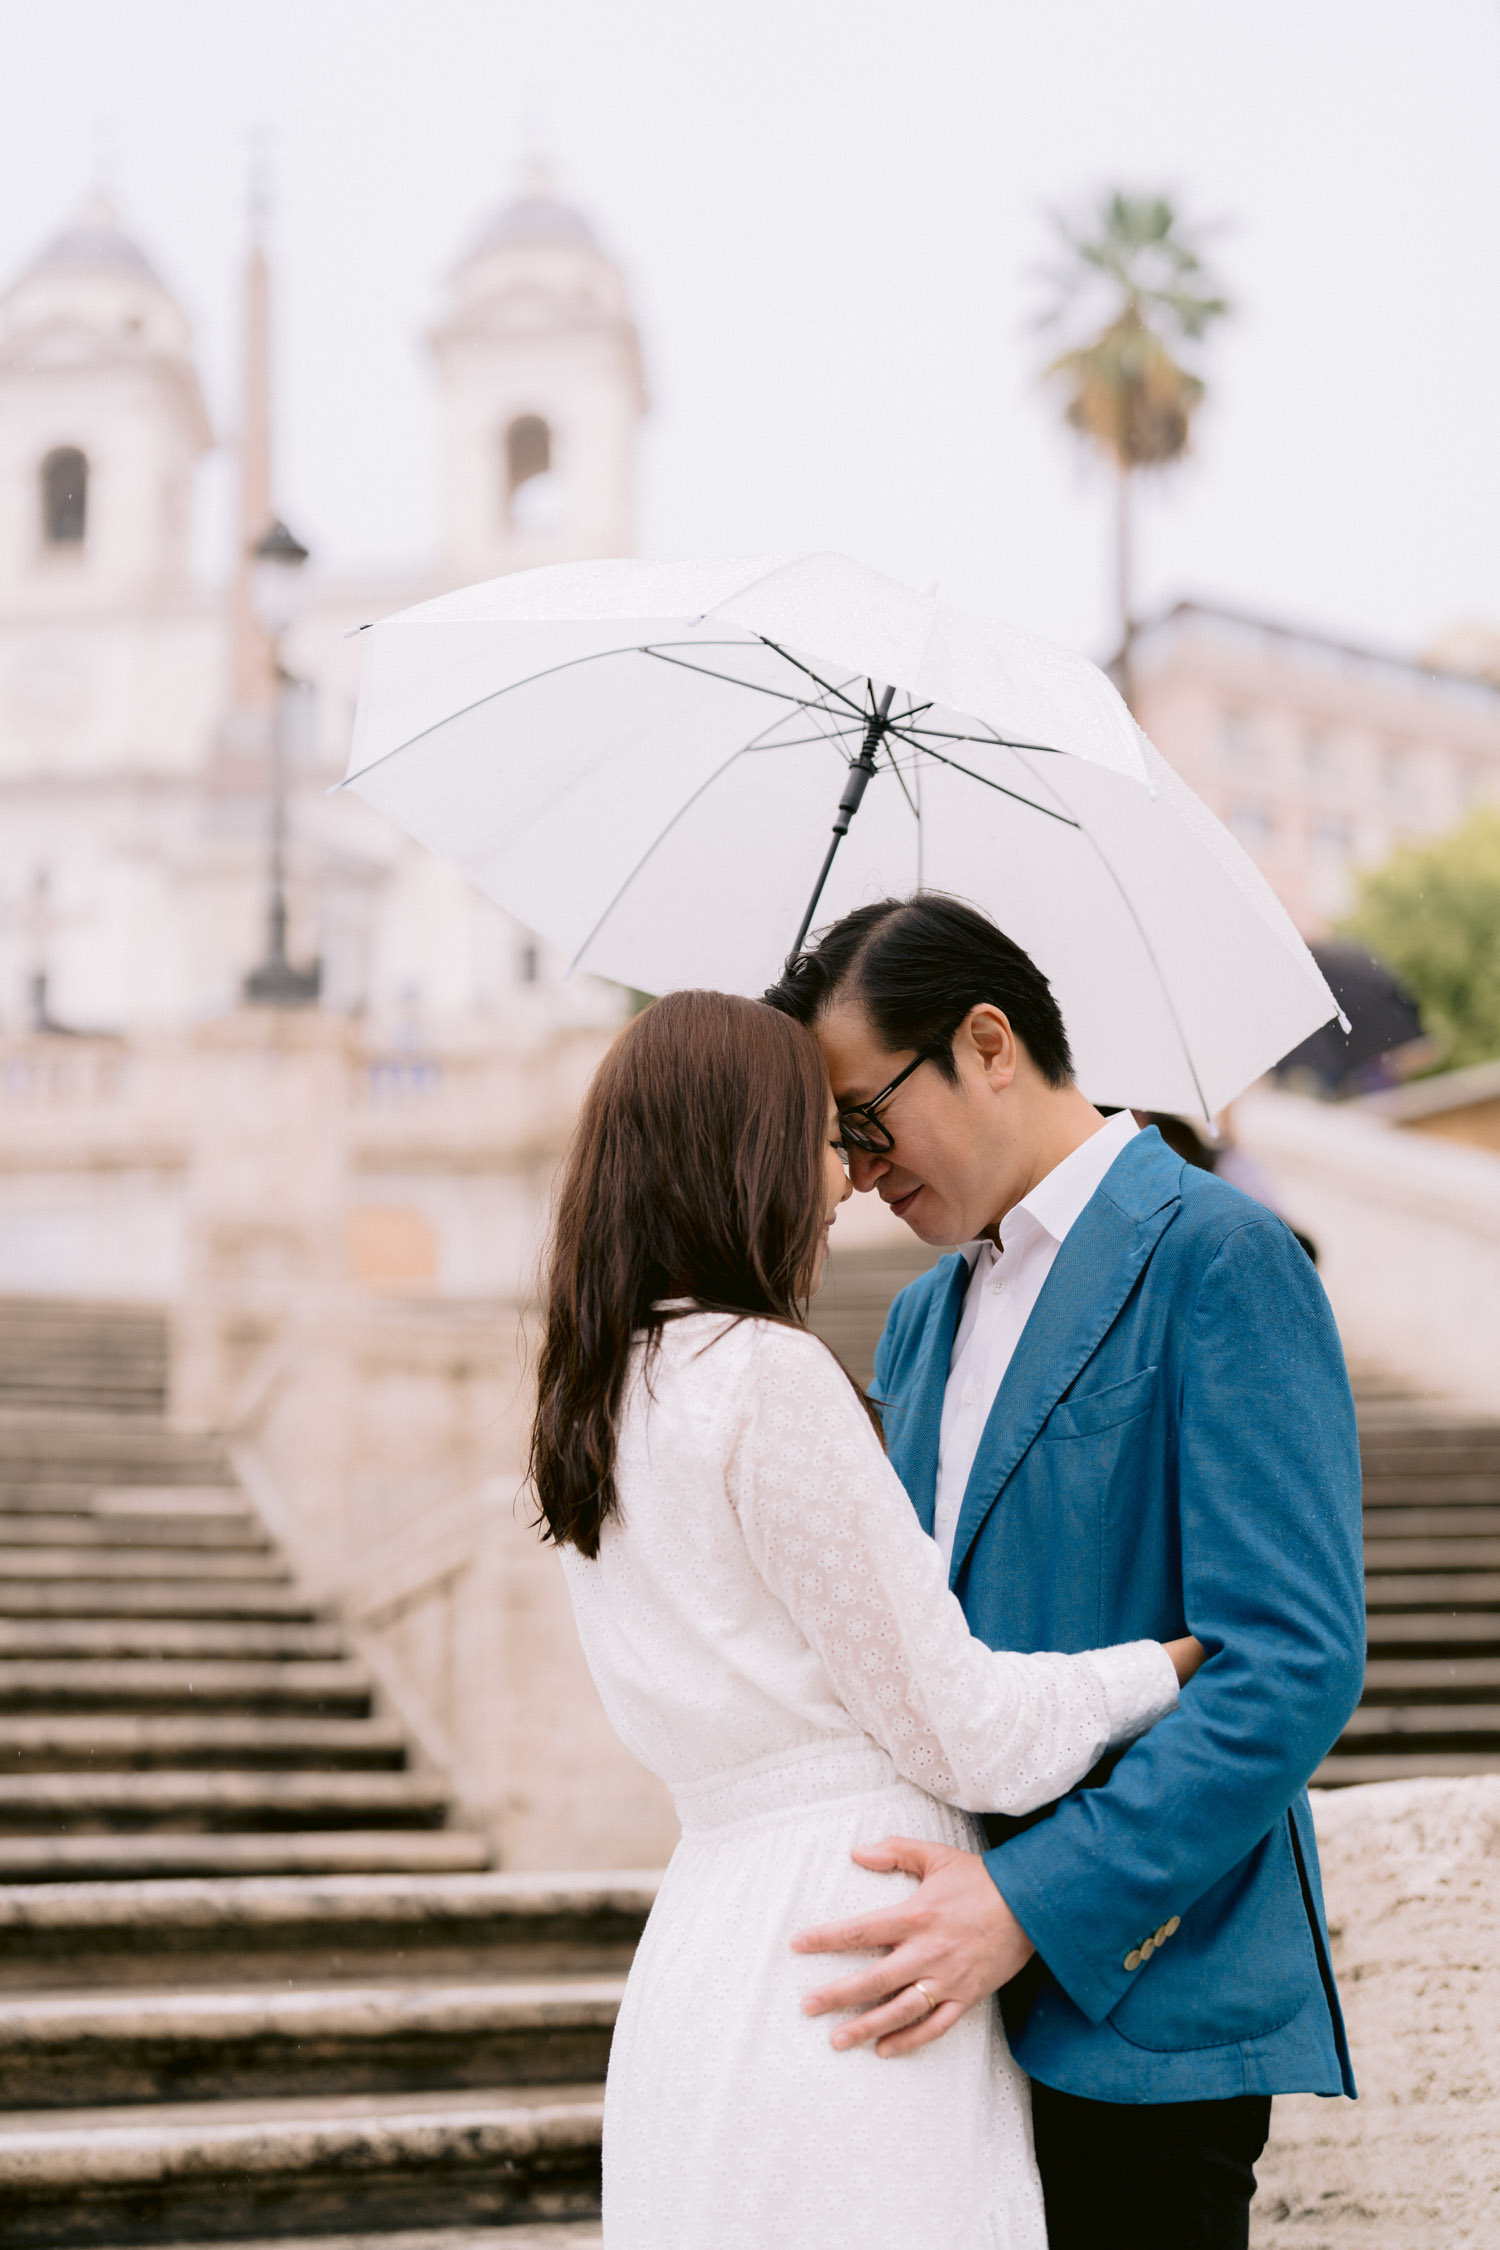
column 643, row 761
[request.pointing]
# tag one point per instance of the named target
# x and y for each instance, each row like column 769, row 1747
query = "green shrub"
column 1432, row 914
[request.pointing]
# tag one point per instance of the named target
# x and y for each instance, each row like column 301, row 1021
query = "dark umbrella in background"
column 1384, row 1043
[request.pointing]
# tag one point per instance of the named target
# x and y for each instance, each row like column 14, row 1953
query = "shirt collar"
column 1058, row 1200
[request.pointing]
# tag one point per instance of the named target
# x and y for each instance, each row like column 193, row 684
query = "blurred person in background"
column 1225, row 1159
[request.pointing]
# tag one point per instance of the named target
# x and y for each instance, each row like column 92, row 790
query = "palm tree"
column 1133, row 264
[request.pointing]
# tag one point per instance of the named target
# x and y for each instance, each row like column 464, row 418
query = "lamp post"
column 275, row 573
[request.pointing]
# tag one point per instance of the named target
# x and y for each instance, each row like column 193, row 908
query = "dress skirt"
column 730, row 2122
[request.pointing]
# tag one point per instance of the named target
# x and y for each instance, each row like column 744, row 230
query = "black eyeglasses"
column 860, row 1128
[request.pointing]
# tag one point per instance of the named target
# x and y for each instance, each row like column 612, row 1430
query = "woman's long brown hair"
column 696, row 1171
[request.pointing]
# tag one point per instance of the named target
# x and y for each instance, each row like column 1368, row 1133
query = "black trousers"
column 1148, row 2176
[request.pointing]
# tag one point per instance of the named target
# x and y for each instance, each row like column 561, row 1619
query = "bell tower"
column 102, row 425
column 540, row 395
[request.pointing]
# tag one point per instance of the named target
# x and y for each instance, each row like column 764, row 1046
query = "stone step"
column 83, row 2050
column 33, row 1803
column 1435, row 1632
column 115, row 1858
column 199, row 1598
column 49, row 1345
column 118, row 1390
column 557, row 2234
column 1435, row 1589
column 75, row 1316
column 1442, row 1465
column 38, row 1527
column 221, row 2170
column 84, row 1495
column 196, row 1500
column 1433, row 1492
column 251, row 1928
column 1340, row 1772
column 253, row 1566
column 1432, row 1554
column 169, row 1640
column 46, row 1438
column 120, row 1742
column 148, row 1685
column 1433, row 1522
column 1446, row 1726
column 1425, row 1679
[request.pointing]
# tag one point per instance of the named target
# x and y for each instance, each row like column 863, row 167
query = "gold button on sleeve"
column 1173, row 1926
column 1133, row 1958
column 1148, row 1947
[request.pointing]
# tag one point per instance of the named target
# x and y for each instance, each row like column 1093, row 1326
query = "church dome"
column 536, row 217
column 95, row 243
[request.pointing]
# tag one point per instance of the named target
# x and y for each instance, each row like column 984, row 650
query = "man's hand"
column 954, row 1933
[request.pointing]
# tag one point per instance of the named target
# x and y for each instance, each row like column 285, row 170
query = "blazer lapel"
column 1092, row 1275
column 918, row 1415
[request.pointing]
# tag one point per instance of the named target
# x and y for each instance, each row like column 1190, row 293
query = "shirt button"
column 971, row 1396
column 1133, row 1958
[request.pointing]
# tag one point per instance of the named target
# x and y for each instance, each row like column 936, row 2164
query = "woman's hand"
column 1186, row 1657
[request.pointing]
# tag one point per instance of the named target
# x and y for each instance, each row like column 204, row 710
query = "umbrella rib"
column 901, row 778
column 656, row 842
column 985, row 783
column 987, row 741
column 799, row 741
column 547, row 672
column 1165, row 989
column 796, row 662
column 753, row 687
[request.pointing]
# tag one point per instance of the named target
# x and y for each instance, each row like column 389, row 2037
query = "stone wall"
column 1408, row 1236
column 1412, row 1875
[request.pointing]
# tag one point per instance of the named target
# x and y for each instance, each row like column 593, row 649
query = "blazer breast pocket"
column 1087, row 1413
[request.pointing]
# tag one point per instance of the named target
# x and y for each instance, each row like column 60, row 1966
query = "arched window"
column 528, row 451
column 65, row 497
column 533, row 499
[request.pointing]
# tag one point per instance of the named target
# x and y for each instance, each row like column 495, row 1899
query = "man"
column 1122, row 1412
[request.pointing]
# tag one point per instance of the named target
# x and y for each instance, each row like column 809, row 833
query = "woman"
column 771, row 1632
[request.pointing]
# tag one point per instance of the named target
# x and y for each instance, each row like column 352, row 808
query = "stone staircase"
column 253, row 1986
column 1432, row 1583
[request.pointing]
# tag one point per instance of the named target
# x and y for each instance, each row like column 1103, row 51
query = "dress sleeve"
column 832, row 1533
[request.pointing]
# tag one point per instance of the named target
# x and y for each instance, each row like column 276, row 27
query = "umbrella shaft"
column 854, row 789
column 855, row 785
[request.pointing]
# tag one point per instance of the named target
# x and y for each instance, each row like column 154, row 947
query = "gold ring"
column 919, row 1986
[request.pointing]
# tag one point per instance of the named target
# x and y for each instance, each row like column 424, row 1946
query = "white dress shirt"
column 1003, row 1287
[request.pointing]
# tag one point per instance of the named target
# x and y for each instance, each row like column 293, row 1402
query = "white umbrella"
column 641, row 761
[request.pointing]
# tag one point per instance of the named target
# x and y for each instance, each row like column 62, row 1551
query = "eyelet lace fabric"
column 772, row 1632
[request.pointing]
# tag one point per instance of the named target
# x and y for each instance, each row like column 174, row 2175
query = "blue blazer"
column 1172, row 1450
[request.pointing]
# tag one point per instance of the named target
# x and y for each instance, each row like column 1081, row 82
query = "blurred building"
column 1318, row 756
column 135, row 703
column 337, row 1203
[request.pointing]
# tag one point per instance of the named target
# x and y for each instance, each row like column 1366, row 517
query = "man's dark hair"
column 917, row 966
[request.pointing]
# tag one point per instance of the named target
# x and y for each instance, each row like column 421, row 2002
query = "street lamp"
column 275, row 572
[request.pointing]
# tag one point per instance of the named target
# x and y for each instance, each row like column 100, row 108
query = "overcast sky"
column 830, row 214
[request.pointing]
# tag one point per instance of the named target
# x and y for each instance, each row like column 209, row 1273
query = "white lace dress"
column 772, row 1632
